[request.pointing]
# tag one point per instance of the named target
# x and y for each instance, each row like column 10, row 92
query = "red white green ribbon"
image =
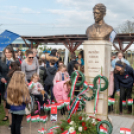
column 53, row 127
column 84, row 89
column 103, row 130
column 74, row 106
column 73, row 84
column 97, row 96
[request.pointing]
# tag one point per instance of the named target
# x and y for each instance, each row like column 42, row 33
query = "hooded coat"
column 50, row 73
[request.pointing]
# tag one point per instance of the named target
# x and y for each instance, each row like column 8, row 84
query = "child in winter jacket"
column 61, row 90
column 50, row 73
column 61, row 75
column 36, row 88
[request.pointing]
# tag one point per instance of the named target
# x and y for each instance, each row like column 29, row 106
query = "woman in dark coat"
column 124, row 79
column 8, row 57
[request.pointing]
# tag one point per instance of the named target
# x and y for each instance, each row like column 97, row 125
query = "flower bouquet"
column 79, row 123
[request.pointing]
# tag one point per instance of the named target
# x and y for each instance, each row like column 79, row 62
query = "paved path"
column 119, row 121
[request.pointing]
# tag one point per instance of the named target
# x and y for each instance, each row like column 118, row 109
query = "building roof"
column 127, row 37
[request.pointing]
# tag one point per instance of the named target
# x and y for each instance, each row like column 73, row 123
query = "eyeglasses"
column 30, row 57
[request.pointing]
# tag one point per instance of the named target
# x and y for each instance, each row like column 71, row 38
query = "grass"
column 116, row 105
column 2, row 115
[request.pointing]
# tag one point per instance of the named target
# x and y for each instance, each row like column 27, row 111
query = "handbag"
column 28, row 109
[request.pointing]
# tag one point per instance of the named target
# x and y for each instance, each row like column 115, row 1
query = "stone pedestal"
column 97, row 54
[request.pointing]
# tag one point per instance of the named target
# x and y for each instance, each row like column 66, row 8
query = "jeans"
column 40, row 98
column 49, row 88
column 125, row 93
column 16, row 123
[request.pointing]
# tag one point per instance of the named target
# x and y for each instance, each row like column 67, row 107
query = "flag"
column 111, row 101
column 112, row 36
column 37, row 118
column 125, row 131
column 34, row 118
column 45, row 119
column 130, row 102
column 7, row 38
column 31, row 85
column 103, row 130
column 41, row 131
column 28, row 117
column 47, row 107
column 124, row 103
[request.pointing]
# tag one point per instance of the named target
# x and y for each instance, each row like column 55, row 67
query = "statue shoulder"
column 89, row 28
column 109, row 27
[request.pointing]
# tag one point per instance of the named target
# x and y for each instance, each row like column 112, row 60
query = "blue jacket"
column 48, row 65
column 115, row 60
column 126, row 80
column 18, row 108
column 82, row 61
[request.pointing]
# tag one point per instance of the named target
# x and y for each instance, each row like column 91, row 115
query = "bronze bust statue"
column 100, row 30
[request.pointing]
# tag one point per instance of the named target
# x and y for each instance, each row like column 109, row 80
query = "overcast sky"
column 51, row 17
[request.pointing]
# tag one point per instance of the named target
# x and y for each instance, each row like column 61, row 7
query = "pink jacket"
column 60, row 91
column 58, row 77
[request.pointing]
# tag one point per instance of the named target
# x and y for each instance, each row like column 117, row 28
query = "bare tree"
column 126, row 27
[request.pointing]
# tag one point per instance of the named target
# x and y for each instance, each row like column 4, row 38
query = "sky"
column 57, row 17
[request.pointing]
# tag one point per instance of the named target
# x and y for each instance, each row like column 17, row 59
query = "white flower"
column 84, row 118
column 93, row 121
column 71, row 123
column 87, row 118
column 71, row 130
column 80, row 129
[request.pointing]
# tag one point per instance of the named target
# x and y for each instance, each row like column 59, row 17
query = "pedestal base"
column 97, row 54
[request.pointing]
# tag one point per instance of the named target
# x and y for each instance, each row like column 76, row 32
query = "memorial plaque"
column 97, row 55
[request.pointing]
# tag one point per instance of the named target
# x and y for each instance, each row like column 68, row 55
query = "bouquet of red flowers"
column 79, row 123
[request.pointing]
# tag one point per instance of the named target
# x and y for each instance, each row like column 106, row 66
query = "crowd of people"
column 43, row 77
column 48, row 79
column 121, row 80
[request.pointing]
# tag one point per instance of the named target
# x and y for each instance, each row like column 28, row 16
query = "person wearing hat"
column 124, row 79
column 71, row 64
column 120, row 56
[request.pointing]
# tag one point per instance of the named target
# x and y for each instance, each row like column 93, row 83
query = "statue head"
column 99, row 11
